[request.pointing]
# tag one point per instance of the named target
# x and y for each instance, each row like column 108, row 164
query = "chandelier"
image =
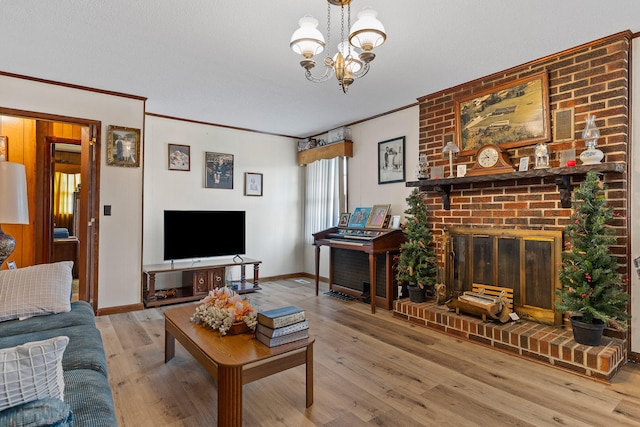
column 354, row 54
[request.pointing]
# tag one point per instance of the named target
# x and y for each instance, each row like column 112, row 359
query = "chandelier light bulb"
column 307, row 40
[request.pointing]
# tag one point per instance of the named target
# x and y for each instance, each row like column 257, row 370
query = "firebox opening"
column 526, row 261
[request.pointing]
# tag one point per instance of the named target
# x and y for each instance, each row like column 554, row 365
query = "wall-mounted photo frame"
column 252, row 184
column 391, row 161
column 359, row 217
column 511, row 115
column 123, row 146
column 179, row 157
column 218, row 170
column 344, row 219
column 377, row 216
column 4, row 148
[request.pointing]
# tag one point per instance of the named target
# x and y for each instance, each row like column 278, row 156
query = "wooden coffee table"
column 233, row 360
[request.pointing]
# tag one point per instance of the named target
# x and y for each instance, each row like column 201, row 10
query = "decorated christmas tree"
column 592, row 286
column 417, row 261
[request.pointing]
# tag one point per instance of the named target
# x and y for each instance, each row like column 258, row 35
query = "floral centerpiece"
column 223, row 307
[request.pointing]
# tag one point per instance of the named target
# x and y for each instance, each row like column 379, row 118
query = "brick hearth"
column 541, row 343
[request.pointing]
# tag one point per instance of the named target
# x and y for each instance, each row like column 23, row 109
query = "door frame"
column 88, row 232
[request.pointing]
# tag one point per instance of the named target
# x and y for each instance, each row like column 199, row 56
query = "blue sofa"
column 87, row 393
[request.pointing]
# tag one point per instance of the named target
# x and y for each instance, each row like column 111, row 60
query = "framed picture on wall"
column 179, row 157
column 252, row 184
column 4, row 148
column 123, row 146
column 391, row 161
column 512, row 115
column 218, row 170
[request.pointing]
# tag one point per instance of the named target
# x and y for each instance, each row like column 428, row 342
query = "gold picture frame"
column 123, row 146
column 4, row 148
column 378, row 216
column 511, row 115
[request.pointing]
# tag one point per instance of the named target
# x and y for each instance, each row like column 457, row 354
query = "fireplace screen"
column 526, row 261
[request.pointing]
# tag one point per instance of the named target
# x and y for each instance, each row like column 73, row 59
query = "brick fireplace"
column 589, row 79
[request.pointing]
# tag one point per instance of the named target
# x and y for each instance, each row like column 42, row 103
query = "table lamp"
column 14, row 206
column 451, row 148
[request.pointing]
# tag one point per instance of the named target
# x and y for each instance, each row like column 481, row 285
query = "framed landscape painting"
column 512, row 115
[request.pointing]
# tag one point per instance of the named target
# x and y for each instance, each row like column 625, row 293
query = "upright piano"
column 361, row 256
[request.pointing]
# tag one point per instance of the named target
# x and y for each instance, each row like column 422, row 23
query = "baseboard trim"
column 119, row 309
column 136, row 307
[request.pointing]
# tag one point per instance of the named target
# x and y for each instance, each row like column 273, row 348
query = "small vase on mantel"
column 590, row 134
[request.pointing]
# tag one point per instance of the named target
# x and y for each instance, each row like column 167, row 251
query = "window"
column 325, row 195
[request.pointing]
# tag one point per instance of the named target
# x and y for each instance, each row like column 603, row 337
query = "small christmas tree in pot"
column 592, row 291
column 417, row 262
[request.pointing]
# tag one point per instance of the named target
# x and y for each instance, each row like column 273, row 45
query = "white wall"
column 634, row 196
column 274, row 221
column 120, row 234
column 363, row 187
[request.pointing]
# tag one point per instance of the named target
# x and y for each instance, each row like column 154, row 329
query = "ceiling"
column 229, row 62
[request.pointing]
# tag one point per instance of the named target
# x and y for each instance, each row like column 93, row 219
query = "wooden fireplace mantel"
column 562, row 178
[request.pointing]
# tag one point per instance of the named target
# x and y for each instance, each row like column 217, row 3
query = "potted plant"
column 592, row 290
column 416, row 265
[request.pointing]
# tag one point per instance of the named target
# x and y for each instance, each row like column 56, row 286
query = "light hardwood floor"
column 370, row 370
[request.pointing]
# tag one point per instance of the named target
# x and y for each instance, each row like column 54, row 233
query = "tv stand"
column 197, row 280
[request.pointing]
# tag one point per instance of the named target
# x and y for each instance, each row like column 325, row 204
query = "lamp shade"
column 451, row 147
column 307, row 40
column 14, row 205
column 368, row 32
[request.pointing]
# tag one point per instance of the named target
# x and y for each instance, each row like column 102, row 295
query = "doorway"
column 35, row 139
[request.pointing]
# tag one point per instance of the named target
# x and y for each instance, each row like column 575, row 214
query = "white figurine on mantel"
column 422, row 169
column 542, row 156
column 590, row 134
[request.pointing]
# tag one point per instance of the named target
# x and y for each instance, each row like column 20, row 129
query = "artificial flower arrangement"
column 223, row 307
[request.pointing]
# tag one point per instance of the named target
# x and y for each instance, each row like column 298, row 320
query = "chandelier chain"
column 328, row 24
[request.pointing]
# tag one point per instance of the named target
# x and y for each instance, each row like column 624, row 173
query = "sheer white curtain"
column 325, row 195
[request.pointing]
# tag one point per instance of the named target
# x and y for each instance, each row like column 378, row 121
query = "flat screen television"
column 203, row 234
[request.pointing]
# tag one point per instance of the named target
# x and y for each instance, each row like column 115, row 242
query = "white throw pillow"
column 35, row 291
column 32, row 371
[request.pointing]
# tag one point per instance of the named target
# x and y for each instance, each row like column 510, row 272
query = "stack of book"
column 281, row 326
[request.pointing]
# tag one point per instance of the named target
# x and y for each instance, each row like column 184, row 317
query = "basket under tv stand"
column 197, row 279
